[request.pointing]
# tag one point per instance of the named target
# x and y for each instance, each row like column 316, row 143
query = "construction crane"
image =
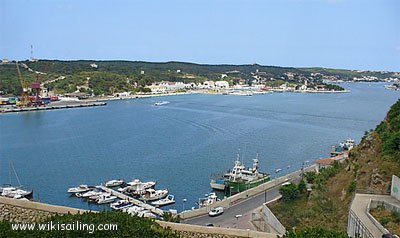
column 24, row 96
column 36, row 87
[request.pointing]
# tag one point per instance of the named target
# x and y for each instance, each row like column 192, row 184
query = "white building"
column 221, row 84
column 208, row 84
column 167, row 86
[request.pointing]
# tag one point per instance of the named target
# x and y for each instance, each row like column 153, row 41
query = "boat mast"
column 16, row 175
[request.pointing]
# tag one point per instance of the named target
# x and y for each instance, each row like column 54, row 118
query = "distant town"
column 38, row 82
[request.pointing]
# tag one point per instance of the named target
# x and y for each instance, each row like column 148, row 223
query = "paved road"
column 227, row 219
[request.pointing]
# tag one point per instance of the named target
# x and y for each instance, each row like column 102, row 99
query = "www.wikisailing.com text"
column 56, row 226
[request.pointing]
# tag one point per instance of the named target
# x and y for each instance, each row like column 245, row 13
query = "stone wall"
column 21, row 215
column 20, row 211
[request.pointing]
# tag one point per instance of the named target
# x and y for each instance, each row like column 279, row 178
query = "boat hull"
column 217, row 184
column 241, row 186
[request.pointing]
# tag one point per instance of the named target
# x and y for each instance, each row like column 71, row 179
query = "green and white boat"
column 239, row 178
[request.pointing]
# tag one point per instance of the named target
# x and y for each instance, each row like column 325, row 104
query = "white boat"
column 120, row 205
column 136, row 187
column 208, row 200
column 80, row 189
column 14, row 192
column 347, row 145
column 170, row 199
column 160, row 103
column 114, row 183
column 133, row 210
column 152, row 195
column 147, row 214
column 106, row 198
column 91, row 193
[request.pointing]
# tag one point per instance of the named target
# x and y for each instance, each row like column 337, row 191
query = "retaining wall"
column 20, row 211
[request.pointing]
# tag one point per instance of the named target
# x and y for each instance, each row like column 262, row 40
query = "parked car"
column 216, row 211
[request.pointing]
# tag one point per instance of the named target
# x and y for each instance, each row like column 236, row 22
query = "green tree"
column 302, row 187
column 289, row 192
column 310, row 176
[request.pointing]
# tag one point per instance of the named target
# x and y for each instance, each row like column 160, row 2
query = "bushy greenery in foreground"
column 128, row 226
column 389, row 132
column 315, row 232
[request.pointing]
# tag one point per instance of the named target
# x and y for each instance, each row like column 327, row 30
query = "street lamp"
column 183, row 204
column 304, row 164
column 265, row 196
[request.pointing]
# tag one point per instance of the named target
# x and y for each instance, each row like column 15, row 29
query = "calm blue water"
column 180, row 144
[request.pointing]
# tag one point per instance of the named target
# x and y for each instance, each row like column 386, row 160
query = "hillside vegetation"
column 369, row 169
column 107, row 77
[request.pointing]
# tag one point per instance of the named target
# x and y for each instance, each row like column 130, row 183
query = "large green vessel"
column 240, row 179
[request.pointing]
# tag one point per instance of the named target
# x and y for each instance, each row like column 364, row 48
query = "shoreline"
column 101, row 101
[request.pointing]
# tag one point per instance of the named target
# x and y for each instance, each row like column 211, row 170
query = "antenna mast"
column 31, row 52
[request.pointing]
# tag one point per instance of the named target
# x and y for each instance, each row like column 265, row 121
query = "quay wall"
column 20, row 211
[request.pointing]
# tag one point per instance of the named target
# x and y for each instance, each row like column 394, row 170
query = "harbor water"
column 182, row 143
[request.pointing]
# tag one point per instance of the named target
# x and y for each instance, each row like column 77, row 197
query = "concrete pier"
column 133, row 200
column 52, row 106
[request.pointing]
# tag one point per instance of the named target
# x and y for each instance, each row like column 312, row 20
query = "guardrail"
column 356, row 228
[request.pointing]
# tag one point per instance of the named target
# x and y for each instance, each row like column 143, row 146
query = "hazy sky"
column 362, row 34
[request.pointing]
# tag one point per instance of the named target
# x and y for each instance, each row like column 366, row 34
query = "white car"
column 216, row 211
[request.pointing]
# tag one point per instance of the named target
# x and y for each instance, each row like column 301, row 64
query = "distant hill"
column 128, row 75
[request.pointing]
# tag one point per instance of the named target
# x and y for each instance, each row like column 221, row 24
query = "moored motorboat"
column 120, row 205
column 80, row 189
column 106, row 198
column 114, row 183
column 15, row 192
column 152, row 194
column 345, row 146
column 95, row 198
column 136, row 187
column 94, row 192
column 133, row 210
column 208, row 200
column 170, row 199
